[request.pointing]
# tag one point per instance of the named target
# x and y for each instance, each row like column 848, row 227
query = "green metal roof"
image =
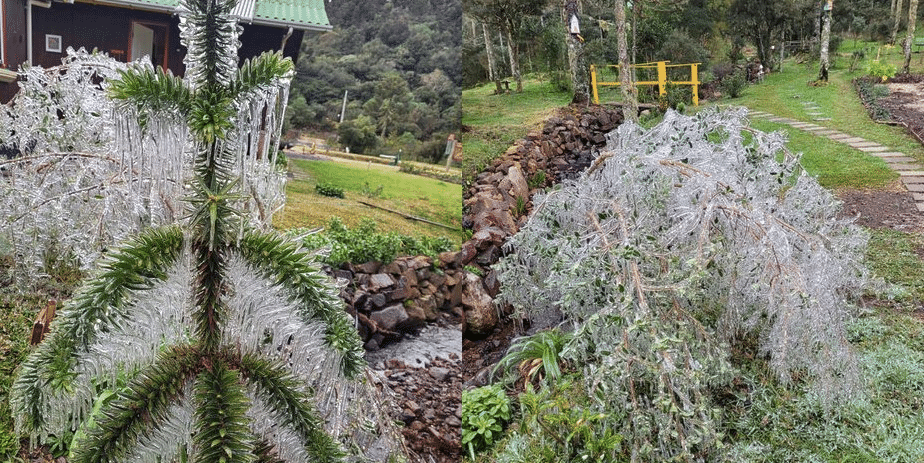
column 299, row 14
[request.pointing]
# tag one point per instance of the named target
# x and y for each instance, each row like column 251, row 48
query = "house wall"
column 14, row 32
column 108, row 29
column 104, row 28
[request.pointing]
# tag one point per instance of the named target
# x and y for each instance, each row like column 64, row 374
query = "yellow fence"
column 661, row 82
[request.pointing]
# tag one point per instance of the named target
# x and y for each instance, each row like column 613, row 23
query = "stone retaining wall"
column 497, row 204
column 400, row 297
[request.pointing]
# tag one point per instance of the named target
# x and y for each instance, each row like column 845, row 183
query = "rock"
column 378, row 300
column 379, row 281
column 453, row 422
column 519, row 187
column 402, row 290
column 389, row 317
column 368, row 267
column 491, row 284
column 480, row 314
column 416, row 318
column 449, row 259
column 439, row 373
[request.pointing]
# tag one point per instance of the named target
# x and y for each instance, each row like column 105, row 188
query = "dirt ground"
column 905, row 102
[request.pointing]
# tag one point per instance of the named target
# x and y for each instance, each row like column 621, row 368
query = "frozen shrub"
column 676, row 243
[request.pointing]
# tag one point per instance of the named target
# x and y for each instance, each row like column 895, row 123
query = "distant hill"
column 399, row 61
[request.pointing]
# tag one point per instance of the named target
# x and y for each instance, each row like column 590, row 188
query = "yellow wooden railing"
column 662, row 81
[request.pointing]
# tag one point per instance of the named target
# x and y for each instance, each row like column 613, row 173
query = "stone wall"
column 393, row 299
column 497, row 203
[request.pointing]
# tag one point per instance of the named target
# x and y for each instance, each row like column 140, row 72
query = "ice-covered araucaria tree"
column 206, row 341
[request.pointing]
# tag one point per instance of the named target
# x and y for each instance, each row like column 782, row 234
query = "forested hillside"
column 398, row 61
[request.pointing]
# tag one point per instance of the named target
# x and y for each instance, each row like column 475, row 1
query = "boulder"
column 389, row 317
column 480, row 314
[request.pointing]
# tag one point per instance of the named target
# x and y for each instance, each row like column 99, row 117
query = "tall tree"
column 909, row 37
column 896, row 19
column 577, row 63
column 507, row 16
column 825, row 39
column 228, row 339
column 629, row 102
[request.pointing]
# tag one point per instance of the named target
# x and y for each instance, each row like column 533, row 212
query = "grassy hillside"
column 376, row 184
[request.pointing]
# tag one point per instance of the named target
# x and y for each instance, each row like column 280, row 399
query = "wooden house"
column 39, row 31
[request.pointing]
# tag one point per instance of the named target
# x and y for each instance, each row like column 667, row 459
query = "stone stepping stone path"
column 910, row 171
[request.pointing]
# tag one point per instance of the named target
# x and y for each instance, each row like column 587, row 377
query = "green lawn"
column 787, row 94
column 494, row 122
column 423, row 197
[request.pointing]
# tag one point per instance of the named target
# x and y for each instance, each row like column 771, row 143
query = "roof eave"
column 299, row 26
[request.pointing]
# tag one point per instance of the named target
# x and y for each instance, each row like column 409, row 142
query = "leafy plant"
column 485, row 411
column 370, row 192
column 733, row 84
column 883, row 71
column 537, row 357
column 679, row 242
column 365, row 243
column 537, row 180
column 326, row 189
column 233, row 339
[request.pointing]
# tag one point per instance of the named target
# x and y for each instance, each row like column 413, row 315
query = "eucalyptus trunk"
column 492, row 62
column 512, row 50
column 580, row 79
column 896, row 19
column 629, row 101
column 825, row 41
column 909, row 38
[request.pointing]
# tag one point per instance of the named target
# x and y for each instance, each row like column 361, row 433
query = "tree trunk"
column 909, row 38
column 897, row 19
column 492, row 64
column 630, row 105
column 580, row 82
column 514, row 61
column 825, row 40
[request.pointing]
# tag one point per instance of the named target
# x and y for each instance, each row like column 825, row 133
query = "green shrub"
column 485, row 411
column 326, row 189
column 881, row 70
column 364, row 243
column 733, row 85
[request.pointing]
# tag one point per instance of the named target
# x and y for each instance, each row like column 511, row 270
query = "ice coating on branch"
column 677, row 240
column 89, row 175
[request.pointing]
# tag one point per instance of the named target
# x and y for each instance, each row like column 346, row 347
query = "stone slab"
column 904, row 167
column 800, row 125
column 839, row 136
column 918, row 196
column 827, row 133
column 873, row 149
column 820, row 119
column 863, row 144
column 912, row 173
column 779, row 119
column 915, row 187
column 890, row 154
column 920, row 207
column 854, row 140
column 912, row 180
column 896, row 159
